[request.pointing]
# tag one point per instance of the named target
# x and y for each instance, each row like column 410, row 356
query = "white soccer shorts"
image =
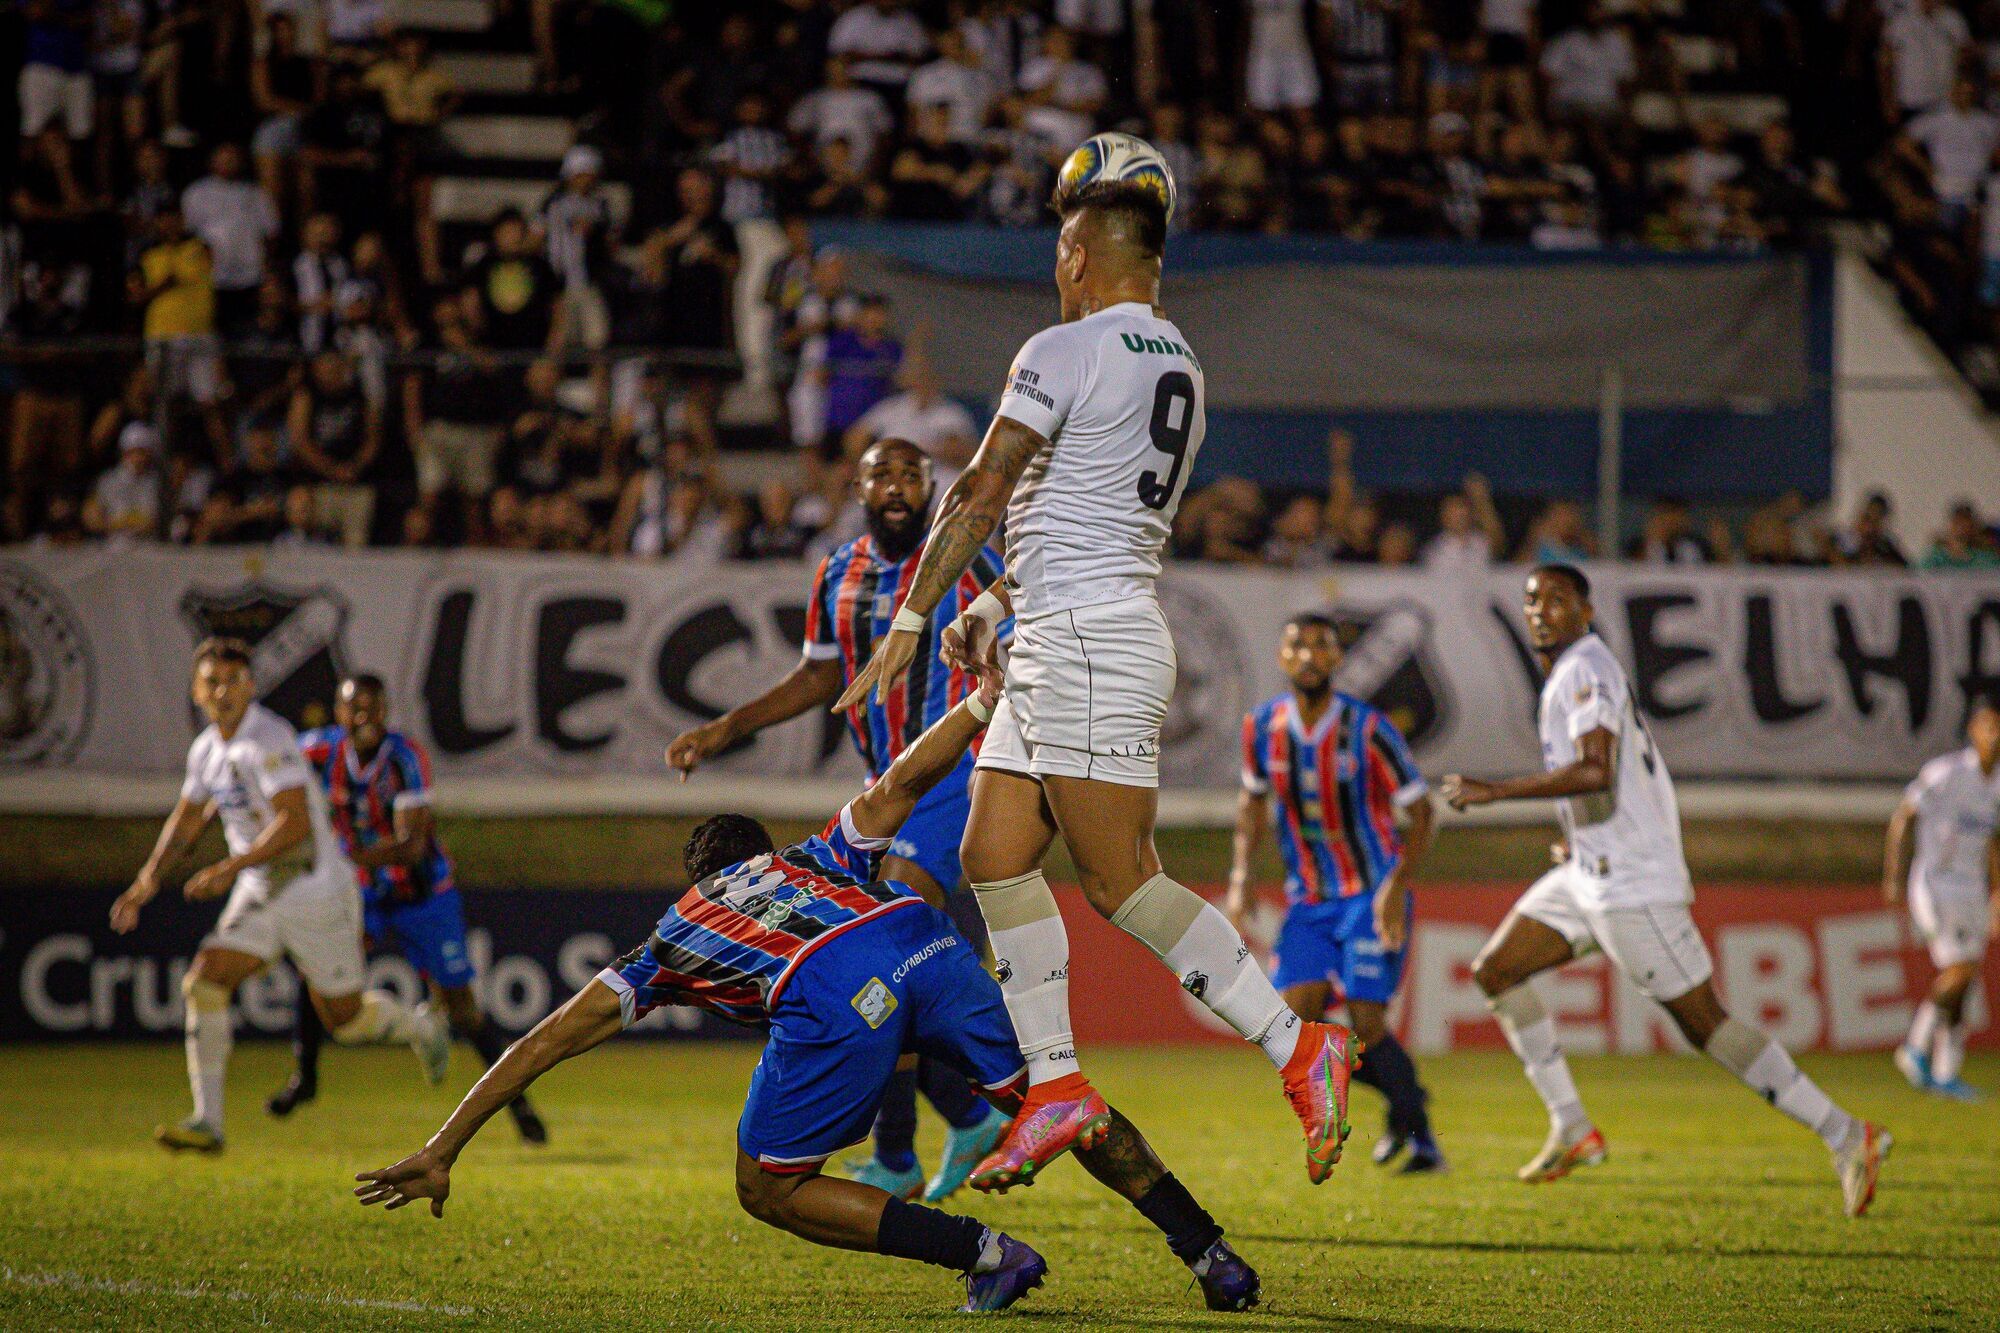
column 1953, row 921
column 1087, row 694
column 315, row 918
column 1656, row 945
column 1282, row 79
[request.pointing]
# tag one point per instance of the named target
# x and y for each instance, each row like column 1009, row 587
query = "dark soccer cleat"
column 298, row 1090
column 1227, row 1283
column 1020, row 1271
column 1426, row 1158
column 189, row 1135
column 525, row 1120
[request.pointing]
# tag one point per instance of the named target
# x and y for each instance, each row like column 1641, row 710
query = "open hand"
column 210, row 881
column 892, row 658
column 418, row 1176
column 1391, row 914
column 125, row 912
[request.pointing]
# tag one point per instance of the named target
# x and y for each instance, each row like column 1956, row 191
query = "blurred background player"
column 856, row 592
column 1621, row 884
column 291, row 891
column 1088, row 455
column 849, row 972
column 1340, row 772
column 379, row 785
column 1954, row 806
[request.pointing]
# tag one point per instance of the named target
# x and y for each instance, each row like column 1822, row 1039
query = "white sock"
column 1772, row 1074
column 1532, row 1033
column 382, row 1019
column 1924, row 1027
column 1031, row 956
column 1948, row 1056
column 1212, row 961
column 210, row 1034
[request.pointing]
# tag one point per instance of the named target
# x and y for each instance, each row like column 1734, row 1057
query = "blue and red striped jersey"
column 732, row 941
column 1336, row 789
column 364, row 800
column 855, row 594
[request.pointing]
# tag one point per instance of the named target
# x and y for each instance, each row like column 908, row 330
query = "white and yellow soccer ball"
column 1117, row 157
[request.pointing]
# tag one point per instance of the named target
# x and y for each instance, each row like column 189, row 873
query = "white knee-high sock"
column 1212, row 961
column 1773, row 1075
column 1948, row 1052
column 382, row 1019
column 210, row 1034
column 1924, row 1028
column 1031, row 956
column 1532, row 1033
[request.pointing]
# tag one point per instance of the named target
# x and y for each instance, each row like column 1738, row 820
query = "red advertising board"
column 1820, row 969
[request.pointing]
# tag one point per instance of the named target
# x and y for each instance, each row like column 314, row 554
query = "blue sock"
column 896, row 1122
column 950, row 1095
column 1386, row 1065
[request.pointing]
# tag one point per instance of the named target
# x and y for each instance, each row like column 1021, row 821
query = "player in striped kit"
column 378, row 784
column 1338, row 773
column 856, row 593
column 848, row 971
column 1953, row 809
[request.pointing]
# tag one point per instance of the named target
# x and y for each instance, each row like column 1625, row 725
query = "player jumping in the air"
column 1096, row 435
column 1621, row 885
column 291, row 890
column 379, row 784
column 1954, row 893
column 855, row 594
column 1338, row 772
column 849, row 972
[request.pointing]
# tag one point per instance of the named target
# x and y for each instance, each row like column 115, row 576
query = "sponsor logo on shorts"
column 923, row 955
column 48, row 681
column 874, row 1003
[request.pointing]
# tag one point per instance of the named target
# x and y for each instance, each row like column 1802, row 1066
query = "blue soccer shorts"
column 904, row 982
column 1335, row 941
column 431, row 934
column 930, row 837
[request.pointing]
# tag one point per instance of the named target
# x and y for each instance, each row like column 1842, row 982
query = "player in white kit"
column 1622, row 886
column 291, row 891
column 1097, row 431
column 1954, row 808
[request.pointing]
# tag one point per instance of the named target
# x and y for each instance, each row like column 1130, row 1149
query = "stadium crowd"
column 248, row 191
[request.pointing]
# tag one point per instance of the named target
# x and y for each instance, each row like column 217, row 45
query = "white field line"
column 132, row 1287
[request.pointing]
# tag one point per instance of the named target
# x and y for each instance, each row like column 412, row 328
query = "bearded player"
column 1950, row 812
column 856, row 592
column 292, row 892
column 849, row 972
column 1092, row 446
column 1621, row 885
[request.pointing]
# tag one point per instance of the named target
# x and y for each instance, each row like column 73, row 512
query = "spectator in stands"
column 576, row 227
column 1220, row 522
column 303, row 525
column 860, row 368
column 841, row 186
column 1062, row 80
column 516, row 289
column 1279, row 73
column 558, row 447
column 1166, row 130
column 1590, row 68
column 1510, row 31
column 669, row 507
column 1363, row 38
column 933, row 177
column 238, row 223
column 1786, row 195
column 342, row 155
column 1298, row 537
column 921, row 414
column 842, row 111
column 46, row 453
column 455, row 412
column 698, row 255
column 1952, row 146
column 1017, row 195
column 285, row 84
column 175, row 286
column 771, row 529
column 1397, row 546
column 248, row 501
column 1924, row 42
column 356, row 29
column 1558, row 535
column 1357, row 535
column 149, row 191
column 126, row 503
column 336, row 435
column 754, row 160
column 1868, row 541
column 827, row 304
column 417, row 94
column 1470, row 536
column 1965, row 543
column 959, row 83
column 54, row 82
column 882, row 42
column 1233, row 180
column 1669, row 538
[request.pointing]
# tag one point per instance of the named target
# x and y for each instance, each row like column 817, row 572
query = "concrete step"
column 490, row 72
column 514, row 138
column 475, row 200
column 442, row 15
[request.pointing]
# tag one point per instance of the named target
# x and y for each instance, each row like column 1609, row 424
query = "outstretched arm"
column 967, row 515
column 881, row 810
column 177, row 835
column 591, row 1017
column 812, row 682
column 1592, row 772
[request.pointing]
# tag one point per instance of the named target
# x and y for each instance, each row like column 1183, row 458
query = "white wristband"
column 987, row 607
column 908, row 620
column 977, row 707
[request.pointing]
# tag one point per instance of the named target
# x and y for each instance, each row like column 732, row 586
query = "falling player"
column 1339, row 772
column 1954, row 893
column 1093, row 443
column 855, row 593
column 1621, row 885
column 291, row 891
column 849, row 972
column 378, row 782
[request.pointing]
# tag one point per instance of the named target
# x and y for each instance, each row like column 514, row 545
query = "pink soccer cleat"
column 1316, row 1079
column 1058, row 1116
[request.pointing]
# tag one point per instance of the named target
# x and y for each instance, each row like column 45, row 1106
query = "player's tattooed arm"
column 1896, row 852
column 1124, row 1163
column 177, row 836
column 882, row 809
column 1592, row 772
column 590, row 1017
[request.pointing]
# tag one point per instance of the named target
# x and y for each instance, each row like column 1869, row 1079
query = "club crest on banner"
column 297, row 642
column 48, row 682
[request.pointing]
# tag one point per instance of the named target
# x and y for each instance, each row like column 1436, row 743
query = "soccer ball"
column 1117, row 157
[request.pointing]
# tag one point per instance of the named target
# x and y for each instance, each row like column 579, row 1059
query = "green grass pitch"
column 1712, row 1212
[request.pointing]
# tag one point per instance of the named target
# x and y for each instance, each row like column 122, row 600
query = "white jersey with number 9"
column 1120, row 398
